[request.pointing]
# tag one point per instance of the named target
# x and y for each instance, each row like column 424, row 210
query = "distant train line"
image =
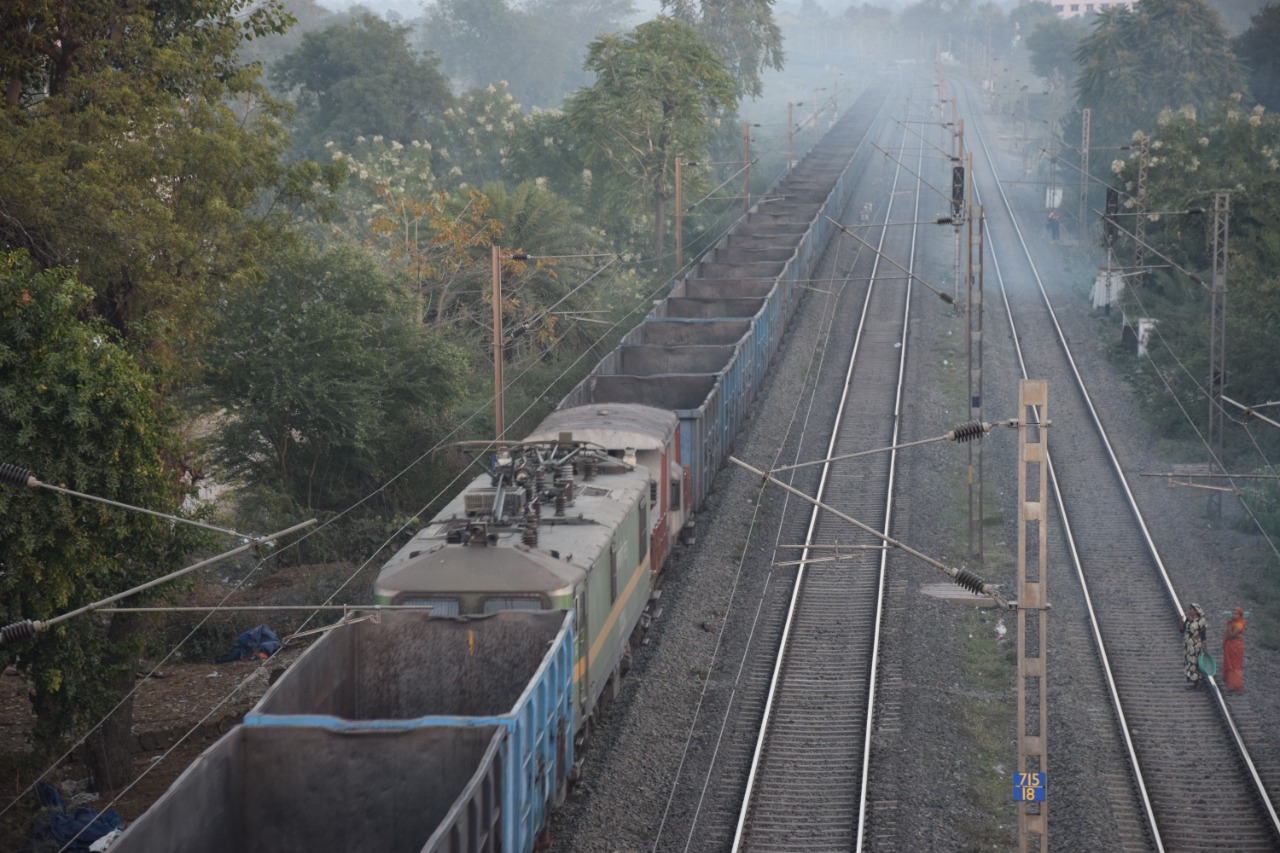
column 1192, row 774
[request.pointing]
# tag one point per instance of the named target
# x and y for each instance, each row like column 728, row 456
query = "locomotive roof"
column 429, row 563
column 615, row 426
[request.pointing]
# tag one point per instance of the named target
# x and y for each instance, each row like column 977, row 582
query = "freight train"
column 457, row 730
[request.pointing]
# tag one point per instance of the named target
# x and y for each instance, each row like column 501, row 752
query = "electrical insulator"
column 15, row 476
column 17, row 631
column 967, row 432
column 968, row 580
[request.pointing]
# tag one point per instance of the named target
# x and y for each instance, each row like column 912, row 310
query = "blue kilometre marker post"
column 1029, row 787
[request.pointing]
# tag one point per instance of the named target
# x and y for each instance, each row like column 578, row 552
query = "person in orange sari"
column 1233, row 652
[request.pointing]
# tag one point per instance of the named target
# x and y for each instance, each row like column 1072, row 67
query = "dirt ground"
column 180, row 710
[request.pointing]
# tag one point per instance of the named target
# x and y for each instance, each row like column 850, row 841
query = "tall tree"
column 655, row 93
column 76, row 410
column 1161, row 54
column 1052, row 44
column 742, row 32
column 361, row 78
column 329, row 385
column 138, row 149
column 1257, row 50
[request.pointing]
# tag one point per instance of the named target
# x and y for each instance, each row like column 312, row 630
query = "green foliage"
column 77, row 411
column 655, row 93
column 1053, row 43
column 1256, row 48
column 1189, row 161
column 361, row 78
column 147, row 162
column 543, row 306
column 743, row 34
column 1263, row 499
column 1162, row 54
column 328, row 384
column 478, row 136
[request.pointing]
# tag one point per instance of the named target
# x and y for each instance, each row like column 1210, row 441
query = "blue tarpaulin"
column 261, row 642
column 55, row 827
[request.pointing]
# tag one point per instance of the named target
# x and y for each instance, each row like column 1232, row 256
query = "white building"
column 1076, row 9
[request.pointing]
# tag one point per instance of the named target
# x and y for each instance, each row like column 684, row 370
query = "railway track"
column 705, row 799
column 1191, row 772
column 807, row 785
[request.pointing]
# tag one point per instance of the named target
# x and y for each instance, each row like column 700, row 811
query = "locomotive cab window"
column 493, row 604
column 439, row 606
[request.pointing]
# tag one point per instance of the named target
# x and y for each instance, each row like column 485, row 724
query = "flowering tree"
column 1189, row 159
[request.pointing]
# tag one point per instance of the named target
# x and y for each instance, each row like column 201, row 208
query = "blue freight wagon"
column 512, row 669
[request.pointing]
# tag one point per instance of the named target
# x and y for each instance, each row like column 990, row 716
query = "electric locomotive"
column 580, row 516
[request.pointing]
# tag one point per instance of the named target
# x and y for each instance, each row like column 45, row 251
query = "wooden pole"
column 679, row 222
column 790, row 131
column 499, row 426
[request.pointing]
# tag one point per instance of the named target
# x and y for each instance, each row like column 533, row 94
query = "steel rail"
column 815, row 514
column 713, row 778
column 1138, row 517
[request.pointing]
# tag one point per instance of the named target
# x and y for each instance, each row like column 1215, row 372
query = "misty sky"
column 413, row 8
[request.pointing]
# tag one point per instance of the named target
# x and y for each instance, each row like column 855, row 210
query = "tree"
column 656, row 89
column 1190, row 158
column 477, row 136
column 539, row 304
column 139, row 150
column 1257, row 50
column 536, row 48
column 329, row 385
column 76, row 410
column 1052, row 44
column 1161, row 54
column 361, row 79
column 742, row 32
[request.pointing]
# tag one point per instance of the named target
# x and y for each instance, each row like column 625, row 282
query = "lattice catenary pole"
column 1084, row 170
column 1033, row 606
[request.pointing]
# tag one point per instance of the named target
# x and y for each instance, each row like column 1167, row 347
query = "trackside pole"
column 1030, row 783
